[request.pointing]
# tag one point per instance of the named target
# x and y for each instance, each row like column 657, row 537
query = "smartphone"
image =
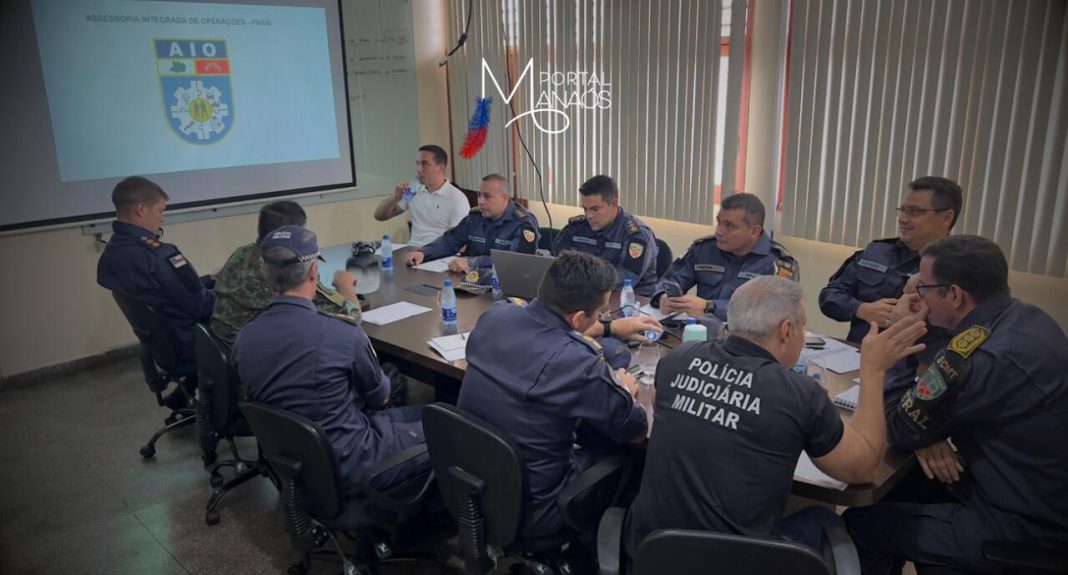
column 672, row 289
column 814, row 342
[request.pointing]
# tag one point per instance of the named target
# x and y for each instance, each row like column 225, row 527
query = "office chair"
column 313, row 504
column 663, row 257
column 1025, row 558
column 705, row 552
column 483, row 480
column 547, row 237
column 219, row 418
column 161, row 362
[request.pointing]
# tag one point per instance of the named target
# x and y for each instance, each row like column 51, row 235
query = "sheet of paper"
column 438, row 266
column 393, row 312
column 843, row 361
column 659, row 315
column 451, row 347
column 399, row 246
column 807, row 472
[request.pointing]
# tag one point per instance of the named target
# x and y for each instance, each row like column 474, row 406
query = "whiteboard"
column 380, row 66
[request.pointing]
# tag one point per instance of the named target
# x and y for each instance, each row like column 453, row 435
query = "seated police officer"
column 137, row 264
column 243, row 291
column 561, row 383
column 498, row 223
column 607, row 231
column 868, row 284
column 731, row 421
column 999, row 390
column 321, row 366
column 718, row 264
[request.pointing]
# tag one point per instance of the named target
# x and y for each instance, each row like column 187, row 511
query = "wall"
column 53, row 311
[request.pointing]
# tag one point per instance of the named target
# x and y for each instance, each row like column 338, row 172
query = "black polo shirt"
column 729, row 425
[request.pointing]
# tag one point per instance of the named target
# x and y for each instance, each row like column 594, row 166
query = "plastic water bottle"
column 496, row 283
column 448, row 305
column 387, row 254
column 409, row 192
column 627, row 301
column 802, row 364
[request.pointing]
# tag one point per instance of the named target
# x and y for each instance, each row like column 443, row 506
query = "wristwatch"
column 710, row 307
column 607, row 325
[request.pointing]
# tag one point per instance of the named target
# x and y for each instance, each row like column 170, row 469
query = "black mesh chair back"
column 703, row 552
column 300, row 455
column 481, row 476
column 664, row 257
column 160, row 346
column 216, row 382
column 547, row 237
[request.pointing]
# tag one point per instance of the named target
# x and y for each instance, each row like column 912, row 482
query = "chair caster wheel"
column 297, row 569
column 240, row 468
column 148, row 452
column 211, row 517
column 209, row 457
column 216, row 480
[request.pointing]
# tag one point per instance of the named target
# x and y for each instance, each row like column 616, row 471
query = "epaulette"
column 588, row 341
column 704, row 239
column 475, row 210
column 521, row 213
column 341, row 316
column 967, row 341
column 152, row 242
column 632, row 225
column 517, row 301
column 331, row 295
column 577, row 219
column 780, row 250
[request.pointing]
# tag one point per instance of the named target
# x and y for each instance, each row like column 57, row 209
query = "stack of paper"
column 659, row 315
column 438, row 266
column 393, row 312
column 451, row 347
column 807, row 472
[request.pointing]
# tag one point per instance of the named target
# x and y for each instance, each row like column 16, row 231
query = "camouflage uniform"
column 242, row 293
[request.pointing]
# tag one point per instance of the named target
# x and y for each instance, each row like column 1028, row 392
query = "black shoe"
column 176, row 400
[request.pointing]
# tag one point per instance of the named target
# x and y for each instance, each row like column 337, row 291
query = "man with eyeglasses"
column 498, row 223
column 866, row 287
column 561, row 388
column 999, row 391
column 433, row 203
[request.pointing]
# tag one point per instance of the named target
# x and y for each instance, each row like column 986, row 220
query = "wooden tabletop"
column 405, row 342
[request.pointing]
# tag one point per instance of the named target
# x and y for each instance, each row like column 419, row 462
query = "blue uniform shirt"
column 322, row 366
column 717, row 273
column 878, row 271
column 136, row 264
column 627, row 243
column 1000, row 390
column 561, row 382
column 516, row 230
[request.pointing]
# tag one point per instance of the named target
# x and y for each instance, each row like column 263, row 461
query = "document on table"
column 393, row 312
column 807, row 472
column 843, row 361
column 659, row 315
column 451, row 347
column 399, row 246
column 438, row 266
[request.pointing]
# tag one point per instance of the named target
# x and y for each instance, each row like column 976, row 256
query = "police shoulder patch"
column 785, row 268
column 635, row 250
column 529, row 236
column 967, row 341
column 930, row 385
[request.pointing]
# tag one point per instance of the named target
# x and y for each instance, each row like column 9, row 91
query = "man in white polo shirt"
column 435, row 204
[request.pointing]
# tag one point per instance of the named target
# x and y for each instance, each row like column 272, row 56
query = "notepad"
column 807, row 472
column 450, row 347
column 393, row 312
column 843, row 361
column 438, row 266
column 848, row 398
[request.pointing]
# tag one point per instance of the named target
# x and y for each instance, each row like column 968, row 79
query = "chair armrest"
column 839, row 551
column 1027, row 557
column 399, row 458
column 610, row 541
column 588, row 479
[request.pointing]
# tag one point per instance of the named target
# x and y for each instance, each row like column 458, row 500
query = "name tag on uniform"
column 584, row 240
column 872, row 265
column 501, row 242
column 613, row 245
column 709, row 268
column 747, row 275
column 477, row 239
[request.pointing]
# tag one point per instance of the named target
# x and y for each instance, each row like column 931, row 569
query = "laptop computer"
column 520, row 274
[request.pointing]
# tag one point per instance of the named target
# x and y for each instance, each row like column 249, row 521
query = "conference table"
column 404, row 343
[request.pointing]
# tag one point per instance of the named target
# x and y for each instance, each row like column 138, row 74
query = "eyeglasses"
column 914, row 212
column 920, row 287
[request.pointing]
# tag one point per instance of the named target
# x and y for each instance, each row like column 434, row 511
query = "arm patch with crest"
column 928, row 404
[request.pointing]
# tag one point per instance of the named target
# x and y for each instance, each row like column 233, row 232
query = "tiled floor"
column 76, row 497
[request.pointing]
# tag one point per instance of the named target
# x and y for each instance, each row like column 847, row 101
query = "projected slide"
column 162, row 87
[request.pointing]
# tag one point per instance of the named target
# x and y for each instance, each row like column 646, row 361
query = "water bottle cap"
column 385, row 236
column 628, row 283
column 691, row 321
column 448, row 283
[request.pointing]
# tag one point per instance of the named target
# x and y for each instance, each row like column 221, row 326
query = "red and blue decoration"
column 477, row 130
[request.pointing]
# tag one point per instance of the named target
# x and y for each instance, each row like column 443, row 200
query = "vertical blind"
column 884, row 91
column 673, row 97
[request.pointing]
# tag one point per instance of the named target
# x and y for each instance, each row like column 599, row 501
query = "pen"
column 432, row 287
